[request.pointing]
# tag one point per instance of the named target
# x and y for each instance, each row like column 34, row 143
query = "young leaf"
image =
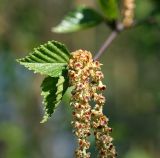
column 78, row 19
column 49, row 59
column 53, row 90
column 109, row 8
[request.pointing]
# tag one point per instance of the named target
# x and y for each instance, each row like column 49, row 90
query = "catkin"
column 79, row 66
column 128, row 12
column 85, row 76
column 99, row 121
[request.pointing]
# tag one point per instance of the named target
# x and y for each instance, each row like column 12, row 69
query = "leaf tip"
column 18, row 60
column 54, row 29
column 44, row 119
column 57, row 29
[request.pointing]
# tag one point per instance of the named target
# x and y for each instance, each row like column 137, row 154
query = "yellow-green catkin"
column 99, row 121
column 128, row 12
column 79, row 66
column 85, row 75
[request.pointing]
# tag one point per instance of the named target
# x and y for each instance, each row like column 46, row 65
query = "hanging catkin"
column 79, row 67
column 85, row 75
column 99, row 120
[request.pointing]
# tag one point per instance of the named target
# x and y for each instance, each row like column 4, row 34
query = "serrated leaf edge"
column 60, row 88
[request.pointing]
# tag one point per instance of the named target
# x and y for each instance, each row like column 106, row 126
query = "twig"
column 119, row 27
column 106, row 44
column 109, row 40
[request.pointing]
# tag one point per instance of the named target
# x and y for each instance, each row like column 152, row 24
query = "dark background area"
column 132, row 75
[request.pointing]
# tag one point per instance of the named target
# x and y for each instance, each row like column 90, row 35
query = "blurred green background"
column 132, row 75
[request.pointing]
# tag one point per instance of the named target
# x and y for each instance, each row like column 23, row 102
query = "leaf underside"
column 53, row 90
column 49, row 59
column 78, row 19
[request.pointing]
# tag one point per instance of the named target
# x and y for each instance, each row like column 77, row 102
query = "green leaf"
column 109, row 8
column 78, row 19
column 53, row 90
column 49, row 59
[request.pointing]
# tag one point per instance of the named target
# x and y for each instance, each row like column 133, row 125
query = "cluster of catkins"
column 128, row 12
column 85, row 76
